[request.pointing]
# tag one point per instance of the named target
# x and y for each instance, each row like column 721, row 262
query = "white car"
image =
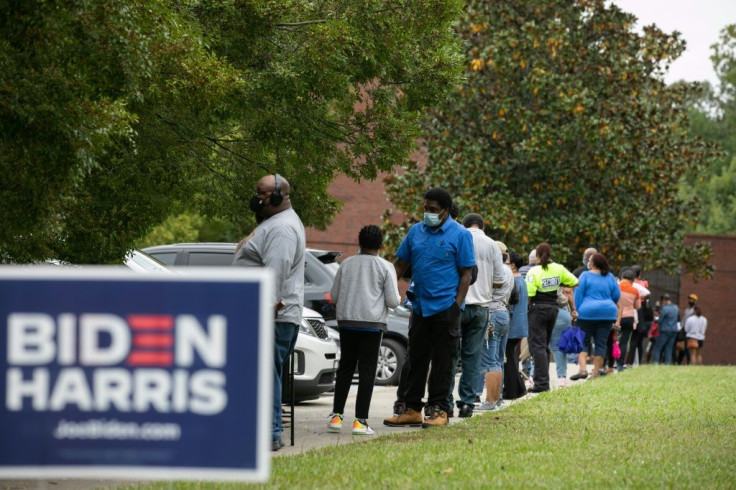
column 316, row 357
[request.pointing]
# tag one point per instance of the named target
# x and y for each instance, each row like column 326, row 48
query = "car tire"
column 391, row 358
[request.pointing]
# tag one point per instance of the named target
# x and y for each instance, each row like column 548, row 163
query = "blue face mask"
column 432, row 219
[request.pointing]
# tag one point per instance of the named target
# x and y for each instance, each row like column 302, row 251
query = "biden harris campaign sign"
column 108, row 374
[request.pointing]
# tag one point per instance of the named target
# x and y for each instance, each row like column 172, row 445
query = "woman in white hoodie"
column 365, row 288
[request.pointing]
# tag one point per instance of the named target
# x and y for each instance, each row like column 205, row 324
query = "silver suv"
column 319, row 274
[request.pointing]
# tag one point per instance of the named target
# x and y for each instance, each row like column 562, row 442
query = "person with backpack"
column 513, row 384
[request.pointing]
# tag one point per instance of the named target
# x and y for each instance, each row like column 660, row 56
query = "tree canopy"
column 115, row 115
column 564, row 131
column 713, row 117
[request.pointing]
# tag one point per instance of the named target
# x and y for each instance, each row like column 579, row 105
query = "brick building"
column 717, row 298
column 365, row 202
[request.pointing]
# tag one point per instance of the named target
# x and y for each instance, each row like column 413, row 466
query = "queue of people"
column 473, row 301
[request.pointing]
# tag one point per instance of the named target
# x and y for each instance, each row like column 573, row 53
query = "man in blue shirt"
column 669, row 315
column 441, row 255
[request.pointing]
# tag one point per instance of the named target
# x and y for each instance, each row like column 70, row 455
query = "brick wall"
column 363, row 204
column 717, row 299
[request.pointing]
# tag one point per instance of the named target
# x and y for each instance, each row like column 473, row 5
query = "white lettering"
column 67, row 339
column 179, row 397
column 71, row 388
column 208, row 393
column 91, row 326
column 17, row 388
column 30, row 339
column 112, row 388
column 152, row 387
column 191, row 336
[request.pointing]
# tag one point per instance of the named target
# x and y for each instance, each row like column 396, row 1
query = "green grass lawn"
column 649, row 427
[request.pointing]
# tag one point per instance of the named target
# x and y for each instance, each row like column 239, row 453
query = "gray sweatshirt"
column 279, row 243
column 365, row 288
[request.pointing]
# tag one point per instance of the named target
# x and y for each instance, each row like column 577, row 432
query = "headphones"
column 276, row 197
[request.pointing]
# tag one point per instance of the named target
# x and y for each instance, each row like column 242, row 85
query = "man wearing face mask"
column 441, row 254
column 278, row 243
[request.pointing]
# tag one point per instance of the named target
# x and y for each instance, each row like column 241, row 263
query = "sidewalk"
column 310, row 429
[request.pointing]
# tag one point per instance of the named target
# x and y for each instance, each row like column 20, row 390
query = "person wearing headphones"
column 279, row 243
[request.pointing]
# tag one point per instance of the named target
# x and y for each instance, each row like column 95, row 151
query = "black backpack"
column 646, row 312
column 514, row 299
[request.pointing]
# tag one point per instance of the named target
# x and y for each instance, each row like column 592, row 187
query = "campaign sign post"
column 108, row 374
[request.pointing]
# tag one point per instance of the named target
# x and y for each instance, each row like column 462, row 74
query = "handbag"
column 616, row 350
column 692, row 343
column 572, row 340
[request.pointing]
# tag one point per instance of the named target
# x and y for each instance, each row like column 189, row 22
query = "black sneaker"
column 465, row 411
column 537, row 389
column 477, row 398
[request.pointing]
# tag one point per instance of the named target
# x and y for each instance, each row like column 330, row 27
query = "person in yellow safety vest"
column 542, row 283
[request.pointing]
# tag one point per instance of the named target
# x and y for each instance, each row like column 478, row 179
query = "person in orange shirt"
column 626, row 319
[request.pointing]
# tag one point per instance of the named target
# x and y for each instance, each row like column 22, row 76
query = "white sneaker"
column 361, row 427
column 486, row 406
column 562, row 382
column 334, row 423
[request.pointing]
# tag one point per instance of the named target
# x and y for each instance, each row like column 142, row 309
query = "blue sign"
column 108, row 374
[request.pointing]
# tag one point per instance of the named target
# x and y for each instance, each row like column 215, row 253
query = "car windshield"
column 142, row 262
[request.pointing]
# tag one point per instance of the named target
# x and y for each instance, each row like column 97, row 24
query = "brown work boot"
column 404, row 418
column 434, row 416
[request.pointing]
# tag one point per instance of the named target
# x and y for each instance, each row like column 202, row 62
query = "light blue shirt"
column 519, row 322
column 435, row 255
column 596, row 297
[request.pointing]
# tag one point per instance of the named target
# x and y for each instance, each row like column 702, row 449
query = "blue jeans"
column 561, row 324
column 597, row 331
column 473, row 325
column 666, row 341
column 284, row 339
column 494, row 346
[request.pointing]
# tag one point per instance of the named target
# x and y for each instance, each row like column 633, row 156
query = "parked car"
column 317, row 354
column 139, row 261
column 319, row 274
column 316, row 357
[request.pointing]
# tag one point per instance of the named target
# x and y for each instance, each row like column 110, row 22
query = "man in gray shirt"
column 474, row 319
column 278, row 243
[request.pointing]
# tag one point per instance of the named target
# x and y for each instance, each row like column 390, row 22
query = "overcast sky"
column 699, row 21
